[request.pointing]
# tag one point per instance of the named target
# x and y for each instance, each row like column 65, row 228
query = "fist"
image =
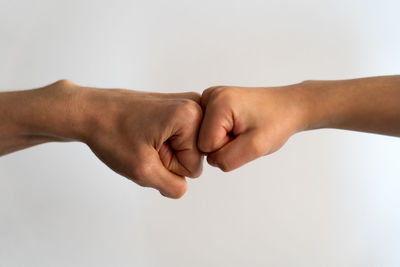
column 147, row 137
column 241, row 124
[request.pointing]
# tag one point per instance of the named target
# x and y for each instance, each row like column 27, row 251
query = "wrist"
column 77, row 114
column 57, row 110
column 299, row 101
column 324, row 106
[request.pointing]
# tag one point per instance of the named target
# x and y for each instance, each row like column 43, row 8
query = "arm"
column 149, row 138
column 241, row 124
column 32, row 117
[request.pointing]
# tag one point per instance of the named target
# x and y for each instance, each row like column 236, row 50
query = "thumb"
column 159, row 177
column 244, row 148
column 215, row 128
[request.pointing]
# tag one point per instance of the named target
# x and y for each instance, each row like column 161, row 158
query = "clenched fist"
column 147, row 137
column 241, row 124
column 157, row 139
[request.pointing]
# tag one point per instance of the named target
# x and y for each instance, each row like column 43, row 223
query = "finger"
column 187, row 159
column 187, row 162
column 215, row 128
column 205, row 96
column 169, row 184
column 157, row 176
column 244, row 148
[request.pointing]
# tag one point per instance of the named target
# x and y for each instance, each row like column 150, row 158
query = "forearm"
column 32, row 117
column 367, row 104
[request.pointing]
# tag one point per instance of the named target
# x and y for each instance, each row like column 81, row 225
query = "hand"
column 149, row 138
column 241, row 124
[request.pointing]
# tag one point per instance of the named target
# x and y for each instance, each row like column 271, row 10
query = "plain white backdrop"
column 327, row 198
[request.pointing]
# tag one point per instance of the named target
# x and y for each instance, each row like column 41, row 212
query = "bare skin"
column 149, row 138
column 241, row 124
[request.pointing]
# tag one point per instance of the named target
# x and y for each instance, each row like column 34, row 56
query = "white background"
column 328, row 198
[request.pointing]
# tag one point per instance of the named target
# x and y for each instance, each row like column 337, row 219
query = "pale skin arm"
column 150, row 138
column 241, row 124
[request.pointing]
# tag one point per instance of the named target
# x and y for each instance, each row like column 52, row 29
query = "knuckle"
column 188, row 110
column 192, row 108
column 211, row 89
column 223, row 94
column 213, row 94
column 194, row 96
